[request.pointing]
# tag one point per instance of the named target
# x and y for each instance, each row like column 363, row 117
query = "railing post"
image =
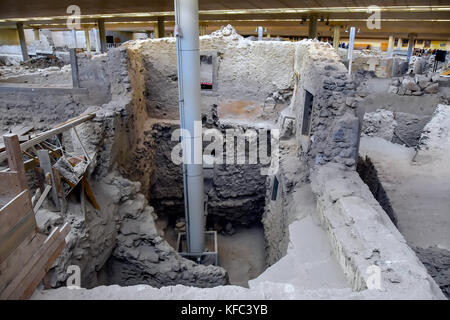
column 14, row 155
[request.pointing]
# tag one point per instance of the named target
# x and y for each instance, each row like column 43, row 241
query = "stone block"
column 410, row 84
column 432, row 88
column 393, row 89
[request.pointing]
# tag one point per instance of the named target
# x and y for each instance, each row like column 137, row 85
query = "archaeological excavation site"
column 214, row 150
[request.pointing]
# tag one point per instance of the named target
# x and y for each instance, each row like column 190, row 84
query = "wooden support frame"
column 42, row 198
column 46, row 165
column 10, row 186
column 14, row 156
column 17, row 222
column 14, row 210
column 55, row 131
column 25, row 255
column 88, row 191
column 34, row 270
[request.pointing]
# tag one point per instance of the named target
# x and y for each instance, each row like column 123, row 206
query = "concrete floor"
column 419, row 193
column 310, row 262
column 242, row 254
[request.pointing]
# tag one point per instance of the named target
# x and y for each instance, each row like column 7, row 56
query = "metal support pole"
column 412, row 40
column 74, row 38
column 390, row 49
column 188, row 54
column 74, row 67
column 260, row 33
column 88, row 40
column 350, row 49
column 97, row 40
column 399, row 44
column 23, row 43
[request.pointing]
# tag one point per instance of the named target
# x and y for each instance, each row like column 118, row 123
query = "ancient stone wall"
column 94, row 75
column 332, row 134
column 246, row 70
column 123, row 232
column 248, row 74
column 363, row 236
column 47, row 106
column 280, row 203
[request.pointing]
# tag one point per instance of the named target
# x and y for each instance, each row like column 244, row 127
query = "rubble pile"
column 415, row 86
column 44, row 62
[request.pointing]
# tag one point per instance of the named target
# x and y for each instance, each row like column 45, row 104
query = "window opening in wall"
column 307, row 112
column 206, row 72
column 275, row 189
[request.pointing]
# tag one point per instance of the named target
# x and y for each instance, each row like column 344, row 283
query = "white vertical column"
column 260, row 33
column 399, row 44
column 351, row 44
column 74, row 39
column 411, row 43
column 88, row 40
column 188, row 53
column 97, row 41
column 390, row 49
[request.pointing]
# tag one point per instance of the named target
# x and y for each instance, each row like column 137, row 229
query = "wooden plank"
column 10, row 184
column 42, row 198
column 21, row 283
column 83, row 198
column 20, row 256
column 46, row 165
column 59, row 188
column 40, row 178
column 14, row 156
column 90, row 194
column 24, row 138
column 14, row 237
column 14, row 211
column 57, row 130
column 33, row 163
column 21, row 130
column 40, row 272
